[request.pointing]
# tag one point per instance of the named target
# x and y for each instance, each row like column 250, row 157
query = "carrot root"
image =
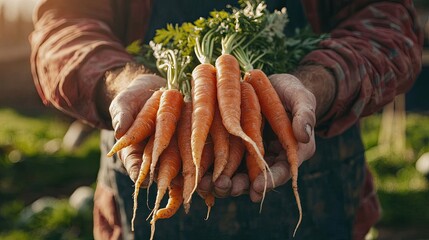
column 168, row 115
column 174, row 201
column 144, row 170
column 275, row 113
column 204, row 102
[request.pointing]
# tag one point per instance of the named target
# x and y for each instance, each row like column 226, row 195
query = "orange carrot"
column 169, row 167
column 236, row 153
column 144, row 170
column 207, row 160
column 229, row 98
column 170, row 107
column 183, row 139
column 203, row 100
column 174, row 201
column 210, row 201
column 142, row 127
column 220, row 137
column 251, row 121
column 273, row 110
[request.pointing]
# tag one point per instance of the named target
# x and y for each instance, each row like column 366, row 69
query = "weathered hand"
column 225, row 186
column 277, row 160
column 122, row 95
column 128, row 102
column 123, row 109
column 131, row 158
column 299, row 94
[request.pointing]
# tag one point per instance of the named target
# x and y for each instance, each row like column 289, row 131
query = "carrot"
column 251, row 121
column 220, row 137
column 142, row 127
column 207, row 157
column 203, row 100
column 210, row 201
column 207, row 160
column 273, row 110
column 229, row 98
column 174, row 201
column 183, row 138
column 236, row 153
column 168, row 115
column 144, row 170
column 169, row 167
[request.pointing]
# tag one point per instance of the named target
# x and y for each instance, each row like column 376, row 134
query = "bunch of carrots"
column 211, row 114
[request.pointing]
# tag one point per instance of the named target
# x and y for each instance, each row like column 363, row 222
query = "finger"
column 131, row 158
column 127, row 104
column 304, row 120
column 280, row 174
column 222, row 186
column 205, row 185
column 306, row 150
column 240, row 184
column 123, row 112
column 299, row 101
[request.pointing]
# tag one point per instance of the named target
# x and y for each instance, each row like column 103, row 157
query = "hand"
column 123, row 93
column 299, row 93
column 131, row 158
column 225, row 186
column 121, row 96
column 128, row 102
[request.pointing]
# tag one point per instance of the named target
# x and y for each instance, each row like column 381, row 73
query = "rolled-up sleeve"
column 374, row 55
column 72, row 47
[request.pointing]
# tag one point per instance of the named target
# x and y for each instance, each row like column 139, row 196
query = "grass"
column 33, row 165
column 402, row 190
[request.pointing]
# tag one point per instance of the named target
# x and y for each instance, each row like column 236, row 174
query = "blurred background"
column 49, row 162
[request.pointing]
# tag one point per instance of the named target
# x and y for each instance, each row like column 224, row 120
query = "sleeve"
column 73, row 45
column 374, row 55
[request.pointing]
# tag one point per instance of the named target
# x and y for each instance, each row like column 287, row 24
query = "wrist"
column 319, row 81
column 115, row 81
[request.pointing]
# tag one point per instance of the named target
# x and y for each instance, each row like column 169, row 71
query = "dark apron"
column 329, row 182
column 329, row 186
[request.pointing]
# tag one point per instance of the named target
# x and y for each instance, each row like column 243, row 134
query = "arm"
column 80, row 65
column 73, row 45
column 373, row 54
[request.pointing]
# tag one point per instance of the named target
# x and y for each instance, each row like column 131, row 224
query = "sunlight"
column 13, row 10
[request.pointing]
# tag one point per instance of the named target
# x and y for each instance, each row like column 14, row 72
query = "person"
column 80, row 66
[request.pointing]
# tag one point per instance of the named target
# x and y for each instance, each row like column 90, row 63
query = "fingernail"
column 308, row 129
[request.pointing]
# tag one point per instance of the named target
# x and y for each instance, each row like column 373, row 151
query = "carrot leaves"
column 251, row 26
